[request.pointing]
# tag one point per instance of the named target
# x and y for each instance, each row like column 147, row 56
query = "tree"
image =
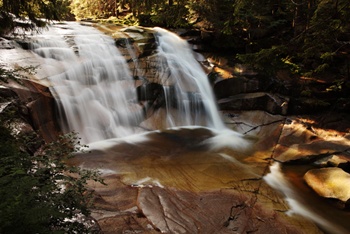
column 40, row 193
column 310, row 38
column 34, row 10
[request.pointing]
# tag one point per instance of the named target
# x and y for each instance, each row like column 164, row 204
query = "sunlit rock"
column 333, row 161
column 329, row 183
column 302, row 142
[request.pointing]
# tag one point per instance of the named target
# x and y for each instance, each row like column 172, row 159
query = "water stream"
column 94, row 88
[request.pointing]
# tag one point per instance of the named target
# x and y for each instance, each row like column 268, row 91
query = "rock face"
column 35, row 105
column 274, row 104
column 329, row 183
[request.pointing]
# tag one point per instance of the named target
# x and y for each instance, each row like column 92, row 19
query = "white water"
column 96, row 91
column 296, row 203
column 191, row 86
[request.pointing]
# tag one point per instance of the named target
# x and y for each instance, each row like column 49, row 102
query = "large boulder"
column 35, row 104
column 330, row 182
column 233, row 86
column 272, row 103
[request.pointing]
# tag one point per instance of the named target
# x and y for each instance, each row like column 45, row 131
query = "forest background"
column 304, row 37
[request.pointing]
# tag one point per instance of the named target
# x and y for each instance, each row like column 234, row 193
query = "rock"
column 133, row 29
column 124, row 42
column 247, row 94
column 303, row 140
column 37, row 107
column 223, row 211
column 332, row 161
column 6, row 93
column 329, row 183
column 6, row 44
column 272, row 103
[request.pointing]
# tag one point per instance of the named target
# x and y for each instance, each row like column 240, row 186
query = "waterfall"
column 192, row 90
column 95, row 89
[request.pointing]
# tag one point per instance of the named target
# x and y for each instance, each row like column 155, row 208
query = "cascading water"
column 96, row 91
column 192, row 90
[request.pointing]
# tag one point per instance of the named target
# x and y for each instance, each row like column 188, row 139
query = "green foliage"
column 16, row 13
column 41, row 193
column 315, row 35
column 268, row 61
column 85, row 9
column 170, row 16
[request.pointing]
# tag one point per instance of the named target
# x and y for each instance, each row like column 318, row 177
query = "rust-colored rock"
column 38, row 105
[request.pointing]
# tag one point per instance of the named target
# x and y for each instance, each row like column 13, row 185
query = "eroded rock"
column 36, row 105
column 274, row 104
column 221, row 211
column 329, row 182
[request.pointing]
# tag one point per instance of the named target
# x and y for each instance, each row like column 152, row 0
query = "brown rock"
column 274, row 104
column 230, row 87
column 38, row 105
column 221, row 211
column 329, row 183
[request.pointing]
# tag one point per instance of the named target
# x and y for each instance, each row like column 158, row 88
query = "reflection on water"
column 181, row 157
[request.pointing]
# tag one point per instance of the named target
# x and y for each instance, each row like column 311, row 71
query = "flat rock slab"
column 220, row 211
column 173, row 182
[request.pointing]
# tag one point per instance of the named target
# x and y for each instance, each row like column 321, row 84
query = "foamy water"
column 277, row 180
column 96, row 93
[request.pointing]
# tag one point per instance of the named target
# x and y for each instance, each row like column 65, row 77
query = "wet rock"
column 230, row 87
column 272, row 103
column 329, row 183
column 6, row 44
column 332, row 161
column 225, row 211
column 124, row 42
column 172, row 182
column 304, row 141
column 37, row 107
